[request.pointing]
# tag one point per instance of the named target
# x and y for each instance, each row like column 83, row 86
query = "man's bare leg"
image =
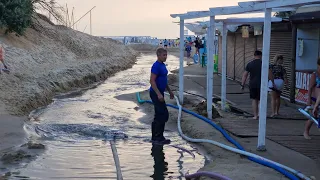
column 255, row 108
column 309, row 123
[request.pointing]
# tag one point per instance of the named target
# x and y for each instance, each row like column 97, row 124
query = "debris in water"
column 14, row 157
column 136, row 108
column 32, row 145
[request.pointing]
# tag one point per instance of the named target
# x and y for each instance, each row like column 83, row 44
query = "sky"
column 136, row 17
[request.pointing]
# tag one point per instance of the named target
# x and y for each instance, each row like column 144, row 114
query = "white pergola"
column 266, row 6
column 195, row 28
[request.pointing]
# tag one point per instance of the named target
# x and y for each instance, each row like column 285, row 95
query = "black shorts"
column 255, row 93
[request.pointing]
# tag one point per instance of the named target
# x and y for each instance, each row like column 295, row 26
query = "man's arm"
column 170, row 92
column 244, row 78
column 270, row 76
column 169, row 89
column 153, row 83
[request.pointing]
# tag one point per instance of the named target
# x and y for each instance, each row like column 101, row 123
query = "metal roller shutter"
column 230, row 55
column 240, row 52
column 239, row 57
column 231, row 41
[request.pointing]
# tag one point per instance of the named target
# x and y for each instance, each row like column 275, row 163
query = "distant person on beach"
column 2, row 58
column 280, row 78
column 189, row 39
column 313, row 97
column 254, row 69
column 188, row 48
column 159, row 83
column 197, row 45
column 165, row 43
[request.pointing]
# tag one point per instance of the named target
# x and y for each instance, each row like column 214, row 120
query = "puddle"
column 76, row 131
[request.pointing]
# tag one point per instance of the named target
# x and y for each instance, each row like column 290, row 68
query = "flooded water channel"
column 77, row 130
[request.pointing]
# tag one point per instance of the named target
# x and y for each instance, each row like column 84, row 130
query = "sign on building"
column 302, row 86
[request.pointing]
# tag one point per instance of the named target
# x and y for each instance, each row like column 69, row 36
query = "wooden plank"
column 309, row 148
column 275, row 127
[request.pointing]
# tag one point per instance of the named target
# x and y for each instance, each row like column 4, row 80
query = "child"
column 159, row 83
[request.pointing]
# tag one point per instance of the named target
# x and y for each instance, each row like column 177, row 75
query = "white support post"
column 210, row 55
column 208, row 49
column 224, row 67
column 181, row 69
column 264, row 81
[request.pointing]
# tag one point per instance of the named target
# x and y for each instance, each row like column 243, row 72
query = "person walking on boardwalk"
column 254, row 69
column 159, row 83
column 313, row 97
column 280, row 78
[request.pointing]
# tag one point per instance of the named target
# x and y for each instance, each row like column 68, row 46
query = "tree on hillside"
column 15, row 15
column 285, row 14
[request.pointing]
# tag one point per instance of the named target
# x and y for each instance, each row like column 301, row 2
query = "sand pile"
column 49, row 59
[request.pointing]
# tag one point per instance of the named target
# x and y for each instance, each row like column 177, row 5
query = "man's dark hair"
column 160, row 51
column 257, row 53
column 318, row 61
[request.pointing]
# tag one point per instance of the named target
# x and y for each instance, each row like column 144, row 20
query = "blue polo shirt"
column 160, row 69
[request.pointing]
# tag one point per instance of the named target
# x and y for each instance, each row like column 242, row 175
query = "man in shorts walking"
column 254, row 69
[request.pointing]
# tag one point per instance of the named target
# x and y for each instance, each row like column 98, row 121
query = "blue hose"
column 226, row 135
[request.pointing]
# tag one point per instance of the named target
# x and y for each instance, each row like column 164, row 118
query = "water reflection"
column 180, row 162
column 160, row 165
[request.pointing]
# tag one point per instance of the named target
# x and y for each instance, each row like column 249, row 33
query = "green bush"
column 15, row 15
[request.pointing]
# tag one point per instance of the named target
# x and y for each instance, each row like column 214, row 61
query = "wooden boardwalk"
column 286, row 130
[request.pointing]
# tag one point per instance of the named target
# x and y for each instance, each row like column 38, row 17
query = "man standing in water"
column 159, row 83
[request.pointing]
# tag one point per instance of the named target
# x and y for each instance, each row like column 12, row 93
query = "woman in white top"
column 280, row 78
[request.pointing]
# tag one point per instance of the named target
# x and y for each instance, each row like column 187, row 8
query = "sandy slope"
column 48, row 60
